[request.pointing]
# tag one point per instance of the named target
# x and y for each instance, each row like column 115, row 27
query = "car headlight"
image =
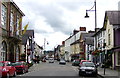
column 93, row 69
column 4, row 69
column 82, row 69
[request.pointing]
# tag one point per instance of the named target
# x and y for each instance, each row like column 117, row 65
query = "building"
column 38, row 52
column 69, row 42
column 84, row 45
column 99, row 50
column 62, row 50
column 10, row 31
column 28, row 45
column 112, row 25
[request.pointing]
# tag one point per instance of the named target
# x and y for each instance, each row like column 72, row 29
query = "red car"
column 84, row 61
column 21, row 67
column 7, row 69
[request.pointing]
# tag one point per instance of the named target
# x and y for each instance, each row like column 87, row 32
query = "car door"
column 10, row 68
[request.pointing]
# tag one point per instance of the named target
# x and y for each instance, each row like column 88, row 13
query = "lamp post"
column 87, row 16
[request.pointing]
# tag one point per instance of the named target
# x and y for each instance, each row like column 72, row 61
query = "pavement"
column 108, row 73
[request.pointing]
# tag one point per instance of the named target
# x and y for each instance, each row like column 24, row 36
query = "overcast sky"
column 55, row 20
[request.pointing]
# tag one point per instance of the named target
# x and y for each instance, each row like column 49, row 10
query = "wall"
column 117, row 37
column 109, row 30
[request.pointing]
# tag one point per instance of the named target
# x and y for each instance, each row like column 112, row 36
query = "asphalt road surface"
column 53, row 70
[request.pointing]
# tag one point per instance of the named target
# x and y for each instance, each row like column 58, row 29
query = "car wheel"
column 15, row 74
column 27, row 70
column 79, row 73
column 23, row 71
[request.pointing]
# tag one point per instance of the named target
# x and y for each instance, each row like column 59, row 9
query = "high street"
column 53, row 69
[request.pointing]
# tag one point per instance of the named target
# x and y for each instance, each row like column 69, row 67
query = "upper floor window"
column 18, row 24
column 3, row 16
column 12, row 20
column 108, row 39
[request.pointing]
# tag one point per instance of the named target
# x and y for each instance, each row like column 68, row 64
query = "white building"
column 75, row 36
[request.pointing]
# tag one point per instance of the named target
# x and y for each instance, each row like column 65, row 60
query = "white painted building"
column 75, row 36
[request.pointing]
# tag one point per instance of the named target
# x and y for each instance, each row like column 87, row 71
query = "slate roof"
column 113, row 16
column 89, row 40
column 27, row 34
column 84, row 35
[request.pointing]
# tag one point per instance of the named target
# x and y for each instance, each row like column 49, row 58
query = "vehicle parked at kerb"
column 84, row 61
column 88, row 68
column 7, row 69
column 76, row 62
column 63, row 62
column 21, row 66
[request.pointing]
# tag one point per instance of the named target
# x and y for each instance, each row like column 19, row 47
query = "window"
column 118, row 58
column 3, row 51
column 108, row 39
column 17, row 54
column 3, row 16
column 18, row 26
column 11, row 21
column 108, row 36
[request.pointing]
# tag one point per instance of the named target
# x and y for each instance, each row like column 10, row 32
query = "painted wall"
column 109, row 30
column 117, row 37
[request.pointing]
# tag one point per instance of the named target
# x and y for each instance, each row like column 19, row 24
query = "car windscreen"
column 88, row 64
column 17, row 64
column 1, row 64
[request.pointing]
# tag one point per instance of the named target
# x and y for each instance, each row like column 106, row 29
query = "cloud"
column 56, row 19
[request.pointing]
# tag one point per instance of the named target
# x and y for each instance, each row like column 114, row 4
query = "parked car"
column 84, row 61
column 62, row 62
column 76, row 62
column 88, row 68
column 51, row 60
column 43, row 60
column 7, row 69
column 21, row 66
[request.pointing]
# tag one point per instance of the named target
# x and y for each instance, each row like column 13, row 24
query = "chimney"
column 63, row 42
column 82, row 28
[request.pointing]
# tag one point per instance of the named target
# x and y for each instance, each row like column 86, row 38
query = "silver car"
column 62, row 62
column 88, row 68
column 51, row 60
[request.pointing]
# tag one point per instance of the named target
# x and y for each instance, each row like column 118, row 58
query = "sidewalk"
column 109, row 73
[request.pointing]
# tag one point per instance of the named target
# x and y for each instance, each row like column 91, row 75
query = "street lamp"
column 87, row 16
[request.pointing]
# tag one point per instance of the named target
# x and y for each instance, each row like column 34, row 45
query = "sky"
column 53, row 21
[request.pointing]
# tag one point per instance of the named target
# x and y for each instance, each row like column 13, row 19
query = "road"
column 52, row 70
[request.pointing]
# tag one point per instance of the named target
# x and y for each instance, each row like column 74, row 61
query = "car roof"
column 85, row 61
column 4, row 61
